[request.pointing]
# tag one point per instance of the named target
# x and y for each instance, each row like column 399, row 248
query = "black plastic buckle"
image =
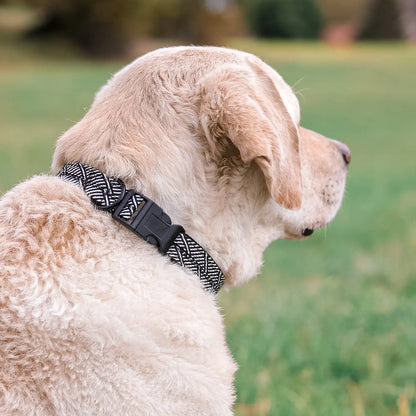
column 149, row 222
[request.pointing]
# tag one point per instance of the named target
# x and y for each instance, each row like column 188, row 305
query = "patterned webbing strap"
column 146, row 219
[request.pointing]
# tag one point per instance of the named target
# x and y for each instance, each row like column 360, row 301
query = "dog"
column 94, row 320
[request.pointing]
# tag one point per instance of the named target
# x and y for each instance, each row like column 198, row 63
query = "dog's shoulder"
column 41, row 217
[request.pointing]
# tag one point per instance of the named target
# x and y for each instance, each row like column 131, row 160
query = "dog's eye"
column 307, row 231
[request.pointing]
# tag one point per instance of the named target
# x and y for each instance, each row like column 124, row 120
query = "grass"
column 329, row 328
column 36, row 106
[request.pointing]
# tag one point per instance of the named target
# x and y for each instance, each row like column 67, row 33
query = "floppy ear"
column 245, row 106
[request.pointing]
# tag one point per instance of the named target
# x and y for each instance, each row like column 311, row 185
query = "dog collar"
column 146, row 219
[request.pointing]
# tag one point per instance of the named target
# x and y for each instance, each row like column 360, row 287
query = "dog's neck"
column 146, row 219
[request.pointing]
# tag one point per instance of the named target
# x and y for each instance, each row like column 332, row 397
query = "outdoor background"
column 329, row 327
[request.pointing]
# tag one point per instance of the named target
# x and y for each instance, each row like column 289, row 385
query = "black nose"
column 344, row 150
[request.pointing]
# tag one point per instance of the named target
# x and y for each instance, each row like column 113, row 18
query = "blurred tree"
column 283, row 18
column 198, row 21
column 389, row 19
column 106, row 27
column 407, row 11
column 100, row 28
column 381, row 21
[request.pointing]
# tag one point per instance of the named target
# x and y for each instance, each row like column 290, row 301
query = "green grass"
column 37, row 104
column 329, row 328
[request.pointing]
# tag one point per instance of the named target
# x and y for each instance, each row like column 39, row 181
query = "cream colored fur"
column 93, row 320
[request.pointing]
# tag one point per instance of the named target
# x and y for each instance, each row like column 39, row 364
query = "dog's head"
column 213, row 136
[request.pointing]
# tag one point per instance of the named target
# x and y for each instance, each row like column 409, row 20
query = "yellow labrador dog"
column 107, row 299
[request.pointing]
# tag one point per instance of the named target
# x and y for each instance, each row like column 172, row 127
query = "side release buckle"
column 149, row 222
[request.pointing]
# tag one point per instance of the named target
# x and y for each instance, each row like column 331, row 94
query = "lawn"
column 329, row 327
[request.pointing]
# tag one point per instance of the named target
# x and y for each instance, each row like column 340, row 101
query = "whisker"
column 297, row 82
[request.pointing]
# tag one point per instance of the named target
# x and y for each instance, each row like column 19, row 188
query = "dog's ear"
column 247, row 108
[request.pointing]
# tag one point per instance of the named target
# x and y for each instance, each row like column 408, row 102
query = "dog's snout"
column 344, row 150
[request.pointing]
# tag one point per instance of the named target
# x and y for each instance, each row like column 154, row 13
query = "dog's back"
column 92, row 324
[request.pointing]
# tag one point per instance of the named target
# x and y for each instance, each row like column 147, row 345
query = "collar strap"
column 146, row 219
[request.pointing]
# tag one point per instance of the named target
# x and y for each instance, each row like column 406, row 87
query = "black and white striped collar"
column 146, row 219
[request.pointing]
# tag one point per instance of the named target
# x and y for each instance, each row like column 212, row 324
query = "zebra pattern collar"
column 146, row 219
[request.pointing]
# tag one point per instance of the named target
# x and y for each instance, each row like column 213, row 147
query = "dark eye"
column 307, row 231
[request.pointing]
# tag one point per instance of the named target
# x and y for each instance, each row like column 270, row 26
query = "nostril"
column 345, row 151
column 347, row 156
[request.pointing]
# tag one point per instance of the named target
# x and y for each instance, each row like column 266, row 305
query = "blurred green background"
column 329, row 327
